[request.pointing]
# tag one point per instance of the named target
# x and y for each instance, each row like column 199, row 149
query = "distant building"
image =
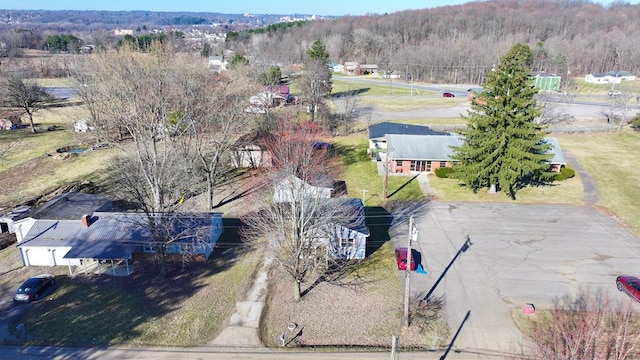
column 614, row 77
column 122, row 32
column 548, row 82
column 217, row 64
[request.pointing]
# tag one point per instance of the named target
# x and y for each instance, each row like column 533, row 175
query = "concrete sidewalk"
column 242, row 331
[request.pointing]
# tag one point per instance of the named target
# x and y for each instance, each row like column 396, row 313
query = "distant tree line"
column 242, row 35
column 460, row 44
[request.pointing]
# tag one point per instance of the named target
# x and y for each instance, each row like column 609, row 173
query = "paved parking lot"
column 519, row 254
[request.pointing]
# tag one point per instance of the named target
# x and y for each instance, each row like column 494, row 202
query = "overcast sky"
column 312, row 7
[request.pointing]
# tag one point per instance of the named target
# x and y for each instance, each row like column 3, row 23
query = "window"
column 420, row 165
column 443, row 163
column 148, row 248
column 399, row 163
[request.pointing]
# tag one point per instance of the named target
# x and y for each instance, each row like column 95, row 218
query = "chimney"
column 85, row 220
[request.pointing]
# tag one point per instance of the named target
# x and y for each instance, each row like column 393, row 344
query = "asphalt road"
column 589, row 111
column 518, row 254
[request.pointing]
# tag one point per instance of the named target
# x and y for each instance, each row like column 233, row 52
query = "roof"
column 558, row 155
column 619, row 73
column 384, row 128
column 439, row 148
column 351, row 214
column 16, row 214
column 71, row 205
column 112, row 235
column 255, row 138
column 421, row 147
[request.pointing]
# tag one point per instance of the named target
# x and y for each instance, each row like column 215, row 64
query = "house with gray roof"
column 420, row 153
column 411, row 154
column 378, row 135
column 115, row 237
column 614, row 77
column 66, row 206
column 345, row 235
column 75, row 229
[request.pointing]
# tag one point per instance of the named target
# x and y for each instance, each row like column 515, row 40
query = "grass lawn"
column 192, row 307
column 381, row 88
column 612, row 161
column 188, row 308
column 626, row 87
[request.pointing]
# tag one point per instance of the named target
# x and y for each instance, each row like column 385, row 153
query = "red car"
column 448, row 94
column 401, row 259
column 630, row 285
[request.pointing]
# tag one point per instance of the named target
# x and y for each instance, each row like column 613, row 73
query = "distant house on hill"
column 217, row 64
column 122, row 32
column 614, row 77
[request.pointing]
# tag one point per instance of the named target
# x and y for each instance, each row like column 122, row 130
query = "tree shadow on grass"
column 111, row 310
column 403, row 186
column 351, row 154
column 352, row 92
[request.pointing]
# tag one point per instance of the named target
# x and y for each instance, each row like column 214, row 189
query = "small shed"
column 82, row 125
column 252, row 151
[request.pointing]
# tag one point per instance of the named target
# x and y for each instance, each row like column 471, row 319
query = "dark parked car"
column 34, row 287
column 401, row 259
column 448, row 94
column 630, row 285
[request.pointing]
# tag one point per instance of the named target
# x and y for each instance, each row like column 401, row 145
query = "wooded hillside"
column 459, row 44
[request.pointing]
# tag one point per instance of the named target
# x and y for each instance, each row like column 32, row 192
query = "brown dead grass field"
column 363, row 313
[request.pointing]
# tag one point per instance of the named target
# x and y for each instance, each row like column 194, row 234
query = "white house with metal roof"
column 115, row 237
column 614, row 77
column 345, row 235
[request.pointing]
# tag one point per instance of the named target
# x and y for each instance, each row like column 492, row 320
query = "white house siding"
column 293, row 189
column 46, row 256
column 22, row 227
column 347, row 244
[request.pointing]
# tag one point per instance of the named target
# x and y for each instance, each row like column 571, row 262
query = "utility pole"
column 385, row 183
column 407, row 276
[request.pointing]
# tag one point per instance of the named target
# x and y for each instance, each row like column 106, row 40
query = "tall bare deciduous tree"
column 25, row 94
column 151, row 96
column 215, row 121
column 294, row 221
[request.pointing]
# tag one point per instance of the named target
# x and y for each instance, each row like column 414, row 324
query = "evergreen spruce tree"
column 503, row 147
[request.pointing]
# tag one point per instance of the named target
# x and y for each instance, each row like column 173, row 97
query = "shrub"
column 565, row 173
column 443, row 172
column 590, row 326
column 635, row 122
